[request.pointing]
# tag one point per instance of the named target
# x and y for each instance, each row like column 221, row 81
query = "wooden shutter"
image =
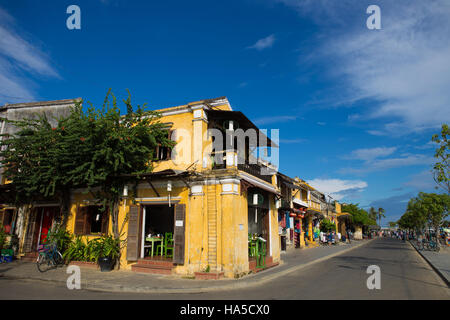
column 179, row 237
column 133, row 234
column 80, row 220
column 2, row 217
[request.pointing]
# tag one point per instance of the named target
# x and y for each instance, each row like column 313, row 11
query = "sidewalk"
column 439, row 261
column 128, row 281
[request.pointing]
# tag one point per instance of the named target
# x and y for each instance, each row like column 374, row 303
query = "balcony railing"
column 314, row 205
column 257, row 170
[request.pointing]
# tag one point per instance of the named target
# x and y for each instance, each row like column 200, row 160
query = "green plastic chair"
column 168, row 244
column 261, row 255
column 251, row 246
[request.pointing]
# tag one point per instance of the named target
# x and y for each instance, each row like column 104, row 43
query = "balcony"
column 314, row 205
column 256, row 170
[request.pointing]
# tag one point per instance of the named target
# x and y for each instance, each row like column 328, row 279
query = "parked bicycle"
column 420, row 245
column 432, row 245
column 49, row 257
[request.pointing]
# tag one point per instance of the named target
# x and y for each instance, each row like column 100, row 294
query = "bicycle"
column 432, row 245
column 420, row 245
column 49, row 257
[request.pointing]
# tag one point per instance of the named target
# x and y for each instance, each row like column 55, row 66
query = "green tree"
column 123, row 148
column 392, row 224
column 359, row 216
column 426, row 208
column 327, row 226
column 40, row 159
column 441, row 172
column 372, row 213
column 380, row 214
column 100, row 150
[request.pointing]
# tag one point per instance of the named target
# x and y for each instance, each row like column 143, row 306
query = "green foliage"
column 76, row 251
column 372, row 213
column 106, row 246
column 327, row 226
column 392, row 224
column 359, row 216
column 441, row 167
column 99, row 149
column 380, row 214
column 2, row 236
column 61, row 237
column 426, row 208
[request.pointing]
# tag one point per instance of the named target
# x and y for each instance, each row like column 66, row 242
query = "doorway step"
column 155, row 265
column 269, row 264
column 30, row 257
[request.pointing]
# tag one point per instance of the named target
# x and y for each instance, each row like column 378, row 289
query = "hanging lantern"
column 257, row 199
column 230, row 125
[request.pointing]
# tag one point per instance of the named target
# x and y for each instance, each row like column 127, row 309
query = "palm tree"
column 372, row 214
column 380, row 214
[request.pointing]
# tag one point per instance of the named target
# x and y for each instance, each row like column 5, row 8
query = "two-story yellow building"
column 209, row 196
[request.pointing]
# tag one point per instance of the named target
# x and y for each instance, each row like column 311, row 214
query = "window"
column 164, row 153
column 7, row 220
column 91, row 220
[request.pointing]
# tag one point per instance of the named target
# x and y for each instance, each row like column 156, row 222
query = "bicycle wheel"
column 57, row 256
column 43, row 263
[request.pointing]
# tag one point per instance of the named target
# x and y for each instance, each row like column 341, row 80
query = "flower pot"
column 106, row 264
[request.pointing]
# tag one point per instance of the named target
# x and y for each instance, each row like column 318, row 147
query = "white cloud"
column 421, row 181
column 371, row 153
column 404, row 67
column 385, row 164
column 19, row 57
column 339, row 189
column 264, row 43
column 275, row 119
column 293, row 141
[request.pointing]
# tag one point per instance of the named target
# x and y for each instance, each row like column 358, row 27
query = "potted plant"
column 106, row 249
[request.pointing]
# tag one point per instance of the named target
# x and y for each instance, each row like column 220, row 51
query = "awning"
column 255, row 183
column 300, row 202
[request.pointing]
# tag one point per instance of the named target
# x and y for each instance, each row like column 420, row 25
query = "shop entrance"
column 41, row 222
column 157, row 232
column 258, row 226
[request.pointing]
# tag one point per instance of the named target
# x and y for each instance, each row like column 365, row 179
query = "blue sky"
column 356, row 108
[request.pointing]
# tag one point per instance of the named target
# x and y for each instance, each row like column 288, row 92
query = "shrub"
column 61, row 237
column 76, row 250
column 327, row 226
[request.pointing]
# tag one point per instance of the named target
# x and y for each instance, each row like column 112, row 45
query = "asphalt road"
column 404, row 275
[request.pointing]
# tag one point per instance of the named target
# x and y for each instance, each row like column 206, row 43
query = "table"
column 153, row 240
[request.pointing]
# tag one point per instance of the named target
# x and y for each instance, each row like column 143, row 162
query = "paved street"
column 404, row 275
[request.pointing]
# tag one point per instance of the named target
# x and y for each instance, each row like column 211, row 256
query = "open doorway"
column 157, row 232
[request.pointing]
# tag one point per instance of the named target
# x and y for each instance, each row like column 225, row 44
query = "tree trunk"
column 114, row 205
column 64, row 203
column 437, row 233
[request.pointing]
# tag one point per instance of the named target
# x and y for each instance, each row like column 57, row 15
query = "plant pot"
column 106, row 264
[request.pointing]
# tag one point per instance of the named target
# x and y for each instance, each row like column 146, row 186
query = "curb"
column 443, row 277
column 243, row 283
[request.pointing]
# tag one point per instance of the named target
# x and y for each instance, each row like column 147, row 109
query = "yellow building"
column 209, row 198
